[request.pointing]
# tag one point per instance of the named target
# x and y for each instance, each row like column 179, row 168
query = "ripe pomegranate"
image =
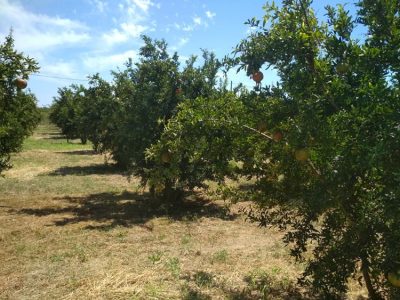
column 258, row 76
column 21, row 83
column 277, row 136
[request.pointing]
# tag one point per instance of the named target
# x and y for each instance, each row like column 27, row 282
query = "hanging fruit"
column 277, row 136
column 166, row 157
column 258, row 76
column 302, row 154
column 342, row 68
column 21, row 83
column 394, row 278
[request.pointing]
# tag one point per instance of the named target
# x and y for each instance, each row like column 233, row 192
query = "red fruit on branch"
column 21, row 83
column 277, row 136
column 258, row 76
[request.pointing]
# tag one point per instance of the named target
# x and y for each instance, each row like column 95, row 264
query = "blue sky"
column 76, row 38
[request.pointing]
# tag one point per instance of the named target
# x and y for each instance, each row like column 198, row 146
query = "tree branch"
column 259, row 132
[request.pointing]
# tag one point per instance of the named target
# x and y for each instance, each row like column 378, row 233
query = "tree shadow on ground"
column 53, row 137
column 53, row 133
column 79, row 152
column 254, row 288
column 94, row 169
column 128, row 209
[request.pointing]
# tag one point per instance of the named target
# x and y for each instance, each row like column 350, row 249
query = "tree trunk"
column 152, row 191
column 373, row 295
column 171, row 194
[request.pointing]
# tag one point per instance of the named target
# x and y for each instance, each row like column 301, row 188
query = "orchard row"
column 320, row 149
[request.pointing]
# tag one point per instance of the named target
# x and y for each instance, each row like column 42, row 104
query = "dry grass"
column 74, row 228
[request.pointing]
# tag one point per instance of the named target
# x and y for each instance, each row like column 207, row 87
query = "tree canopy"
column 333, row 180
column 18, row 111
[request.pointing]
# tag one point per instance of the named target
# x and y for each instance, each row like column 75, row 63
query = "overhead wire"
column 58, row 77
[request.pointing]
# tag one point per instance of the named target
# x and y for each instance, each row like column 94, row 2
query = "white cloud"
column 39, row 33
column 101, row 6
column 35, row 41
column 107, row 62
column 188, row 28
column 15, row 13
column 144, row 5
column 182, row 42
column 126, row 31
column 210, row 14
column 197, row 20
column 183, row 27
column 60, row 69
column 115, row 36
column 54, row 74
column 133, row 22
column 183, row 59
column 221, row 75
column 133, row 30
column 251, row 30
column 66, row 47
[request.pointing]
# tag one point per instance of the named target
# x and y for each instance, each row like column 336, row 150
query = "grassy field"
column 73, row 227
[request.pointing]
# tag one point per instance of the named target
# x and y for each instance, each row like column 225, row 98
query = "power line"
column 59, row 77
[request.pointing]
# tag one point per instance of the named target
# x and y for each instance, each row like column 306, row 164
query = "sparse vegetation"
column 155, row 257
column 173, row 265
column 220, row 256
